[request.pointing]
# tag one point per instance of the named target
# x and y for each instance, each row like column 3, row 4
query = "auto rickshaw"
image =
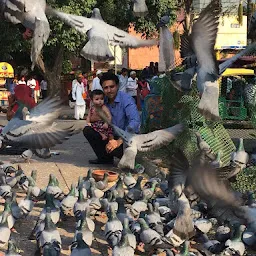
column 232, row 102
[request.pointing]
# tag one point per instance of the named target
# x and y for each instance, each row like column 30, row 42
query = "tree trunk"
column 53, row 75
column 249, row 13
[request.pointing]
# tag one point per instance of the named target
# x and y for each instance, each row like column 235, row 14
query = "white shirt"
column 22, row 82
column 43, row 85
column 31, row 83
column 131, row 87
column 96, row 84
column 77, row 92
column 122, row 83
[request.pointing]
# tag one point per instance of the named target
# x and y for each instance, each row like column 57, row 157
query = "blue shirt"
column 124, row 112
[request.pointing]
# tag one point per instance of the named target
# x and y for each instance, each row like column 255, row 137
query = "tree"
column 65, row 41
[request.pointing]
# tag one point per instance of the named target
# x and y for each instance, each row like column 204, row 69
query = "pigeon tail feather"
column 208, row 105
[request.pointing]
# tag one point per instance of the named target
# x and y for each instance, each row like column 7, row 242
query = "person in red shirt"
column 37, row 90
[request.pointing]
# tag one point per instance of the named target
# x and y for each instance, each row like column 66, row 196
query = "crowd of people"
column 27, row 90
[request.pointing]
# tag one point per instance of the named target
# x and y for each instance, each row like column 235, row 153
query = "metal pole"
column 115, row 59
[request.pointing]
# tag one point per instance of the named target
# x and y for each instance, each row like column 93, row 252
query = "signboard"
column 6, row 70
column 231, row 35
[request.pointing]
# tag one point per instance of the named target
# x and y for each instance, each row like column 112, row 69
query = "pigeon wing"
column 80, row 23
column 156, row 139
column 208, row 186
column 40, row 137
column 46, row 111
column 203, row 37
column 13, row 12
column 40, row 37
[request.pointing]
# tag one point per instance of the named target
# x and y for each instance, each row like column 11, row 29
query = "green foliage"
column 246, row 180
column 115, row 12
column 176, row 39
column 240, row 13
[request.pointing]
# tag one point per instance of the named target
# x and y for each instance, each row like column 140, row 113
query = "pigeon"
column 26, row 205
column 144, row 142
column 123, row 248
column 140, row 8
column 53, row 187
column 4, row 230
column 183, row 226
column 166, row 48
column 31, row 14
column 12, row 249
column 68, row 203
column 80, row 248
column 38, row 130
column 102, row 184
column 50, row 234
column 129, row 180
column 135, row 192
column 113, row 229
column 100, row 35
column 84, row 229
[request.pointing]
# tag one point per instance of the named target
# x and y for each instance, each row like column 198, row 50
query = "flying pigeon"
column 140, row 8
column 198, row 49
column 31, row 14
column 100, row 35
column 37, row 130
column 166, row 49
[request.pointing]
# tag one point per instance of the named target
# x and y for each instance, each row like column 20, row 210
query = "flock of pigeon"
column 191, row 211
column 197, row 44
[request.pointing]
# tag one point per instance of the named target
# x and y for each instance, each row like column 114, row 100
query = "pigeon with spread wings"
column 100, row 35
column 144, row 142
column 36, row 129
column 31, row 14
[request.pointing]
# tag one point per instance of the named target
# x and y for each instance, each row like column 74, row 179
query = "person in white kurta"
column 132, row 85
column 96, row 81
column 77, row 95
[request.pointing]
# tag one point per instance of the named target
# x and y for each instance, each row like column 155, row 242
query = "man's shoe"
column 101, row 161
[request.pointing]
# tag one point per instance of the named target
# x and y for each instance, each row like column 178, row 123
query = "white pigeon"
column 140, row 8
column 100, row 35
column 144, row 142
column 31, row 14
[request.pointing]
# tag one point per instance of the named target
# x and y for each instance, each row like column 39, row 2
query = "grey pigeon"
column 102, row 184
column 80, row 248
column 166, row 47
column 68, row 203
column 38, row 130
column 85, row 230
column 31, row 14
column 140, row 8
column 151, row 238
column 50, row 234
column 123, row 248
column 12, row 249
column 100, row 35
column 135, row 192
column 144, row 142
column 129, row 180
column 113, row 229
column 26, row 205
column 154, row 220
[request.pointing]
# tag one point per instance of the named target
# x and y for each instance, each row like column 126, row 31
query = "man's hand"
column 113, row 144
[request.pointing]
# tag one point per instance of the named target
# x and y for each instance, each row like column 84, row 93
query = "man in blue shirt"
column 125, row 115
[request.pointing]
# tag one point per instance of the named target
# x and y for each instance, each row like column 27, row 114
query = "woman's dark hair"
column 109, row 76
column 124, row 70
column 96, row 92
